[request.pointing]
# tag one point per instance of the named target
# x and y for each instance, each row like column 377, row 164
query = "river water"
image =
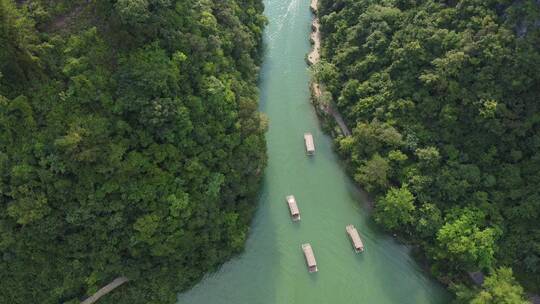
column 272, row 270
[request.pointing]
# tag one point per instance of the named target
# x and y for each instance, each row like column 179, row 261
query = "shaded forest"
column 130, row 144
column 442, row 97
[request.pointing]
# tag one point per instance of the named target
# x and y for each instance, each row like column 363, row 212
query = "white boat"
column 293, row 207
column 310, row 258
column 310, row 145
column 355, row 238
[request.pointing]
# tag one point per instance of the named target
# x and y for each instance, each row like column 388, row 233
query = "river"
column 272, row 270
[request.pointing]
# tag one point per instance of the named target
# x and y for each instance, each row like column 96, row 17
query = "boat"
column 293, row 207
column 310, row 145
column 310, row 257
column 355, row 238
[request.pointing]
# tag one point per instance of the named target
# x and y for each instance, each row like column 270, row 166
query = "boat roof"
column 355, row 237
column 292, row 205
column 308, row 138
column 310, row 257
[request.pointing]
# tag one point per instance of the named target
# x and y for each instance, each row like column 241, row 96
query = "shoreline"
column 325, row 111
column 313, row 58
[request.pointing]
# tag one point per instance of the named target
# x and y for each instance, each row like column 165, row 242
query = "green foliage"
column 133, row 12
column 374, row 137
column 428, row 157
column 326, row 73
column 428, row 220
column 373, row 175
column 443, row 98
column 462, row 240
column 130, row 145
column 498, row 288
column 19, row 43
column 395, row 209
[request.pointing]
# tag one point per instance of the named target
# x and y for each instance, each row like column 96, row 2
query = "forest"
column 130, row 144
column 442, row 100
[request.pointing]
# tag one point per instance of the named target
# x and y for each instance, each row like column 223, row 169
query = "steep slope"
column 130, row 145
column 442, row 97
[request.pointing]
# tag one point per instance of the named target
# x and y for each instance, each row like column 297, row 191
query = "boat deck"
column 310, row 257
column 355, row 238
column 310, row 145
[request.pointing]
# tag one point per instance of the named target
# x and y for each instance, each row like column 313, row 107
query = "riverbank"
column 325, row 109
column 272, row 269
column 333, row 122
column 315, row 36
column 422, row 166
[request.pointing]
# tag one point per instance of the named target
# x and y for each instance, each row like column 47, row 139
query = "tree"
column 137, row 155
column 428, row 157
column 428, row 220
column 498, row 288
column 396, row 209
column 19, row 44
column 373, row 175
column 463, row 240
column 455, row 92
column 324, row 72
column 375, row 137
column 133, row 12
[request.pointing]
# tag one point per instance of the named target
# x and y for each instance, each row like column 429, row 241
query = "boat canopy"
column 310, row 257
column 293, row 207
column 355, row 238
column 310, row 145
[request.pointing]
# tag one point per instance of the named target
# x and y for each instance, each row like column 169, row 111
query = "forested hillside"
column 130, row 144
column 443, row 100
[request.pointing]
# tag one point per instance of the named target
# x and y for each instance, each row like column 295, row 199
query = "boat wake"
column 290, row 12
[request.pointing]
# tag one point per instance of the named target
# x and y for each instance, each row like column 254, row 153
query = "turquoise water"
column 272, row 269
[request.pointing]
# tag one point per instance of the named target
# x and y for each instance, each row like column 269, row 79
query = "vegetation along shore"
column 131, row 147
column 442, row 100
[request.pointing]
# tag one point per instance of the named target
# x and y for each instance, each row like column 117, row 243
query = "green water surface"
column 272, row 269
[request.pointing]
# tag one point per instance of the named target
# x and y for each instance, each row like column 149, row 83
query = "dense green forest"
column 130, row 144
column 442, row 97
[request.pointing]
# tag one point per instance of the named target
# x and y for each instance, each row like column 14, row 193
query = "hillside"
column 442, row 97
column 130, row 144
